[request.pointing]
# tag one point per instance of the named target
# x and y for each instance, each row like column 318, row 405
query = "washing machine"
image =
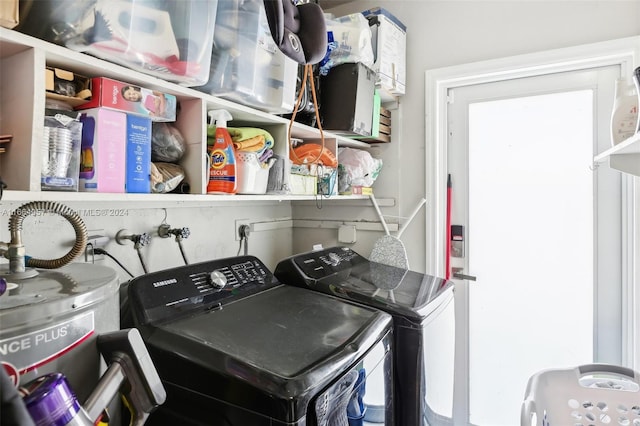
column 424, row 323
column 234, row 347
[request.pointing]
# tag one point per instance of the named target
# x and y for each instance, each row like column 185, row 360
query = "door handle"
column 457, row 273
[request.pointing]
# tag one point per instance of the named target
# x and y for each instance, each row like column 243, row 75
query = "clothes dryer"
column 423, row 317
column 234, row 347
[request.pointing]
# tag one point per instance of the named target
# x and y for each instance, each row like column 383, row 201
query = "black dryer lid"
column 343, row 272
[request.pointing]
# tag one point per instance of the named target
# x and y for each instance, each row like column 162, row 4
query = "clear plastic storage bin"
column 246, row 65
column 588, row 395
column 171, row 40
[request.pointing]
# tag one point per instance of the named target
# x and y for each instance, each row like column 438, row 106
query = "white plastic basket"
column 252, row 177
column 588, row 395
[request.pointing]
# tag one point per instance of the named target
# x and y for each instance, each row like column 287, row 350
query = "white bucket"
column 252, row 177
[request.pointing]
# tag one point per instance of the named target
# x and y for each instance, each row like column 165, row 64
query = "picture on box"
column 155, row 103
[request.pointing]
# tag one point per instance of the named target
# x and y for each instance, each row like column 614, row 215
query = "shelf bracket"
column 628, row 163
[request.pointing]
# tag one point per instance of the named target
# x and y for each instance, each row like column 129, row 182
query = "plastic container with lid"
column 171, row 40
column 246, row 65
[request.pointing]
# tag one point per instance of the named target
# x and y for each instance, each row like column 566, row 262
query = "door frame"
column 622, row 52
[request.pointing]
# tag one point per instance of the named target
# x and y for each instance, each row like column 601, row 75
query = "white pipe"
column 411, row 216
column 384, row 223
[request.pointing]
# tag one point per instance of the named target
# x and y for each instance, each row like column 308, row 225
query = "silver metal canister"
column 49, row 323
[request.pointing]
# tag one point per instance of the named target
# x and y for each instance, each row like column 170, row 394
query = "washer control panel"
column 163, row 295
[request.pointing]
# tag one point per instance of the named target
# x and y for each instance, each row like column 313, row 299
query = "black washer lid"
column 346, row 274
column 289, row 338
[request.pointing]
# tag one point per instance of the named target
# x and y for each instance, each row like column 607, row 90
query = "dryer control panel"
column 342, row 272
column 315, row 265
column 174, row 292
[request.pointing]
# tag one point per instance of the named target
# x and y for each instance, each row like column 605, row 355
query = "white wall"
column 212, row 229
column 445, row 33
column 440, row 33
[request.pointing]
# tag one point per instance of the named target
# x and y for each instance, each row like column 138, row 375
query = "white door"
column 542, row 231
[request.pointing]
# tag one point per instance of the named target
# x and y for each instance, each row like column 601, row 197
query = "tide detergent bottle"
column 222, row 162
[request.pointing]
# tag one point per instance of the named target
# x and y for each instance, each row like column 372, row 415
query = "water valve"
column 139, row 240
column 165, row 231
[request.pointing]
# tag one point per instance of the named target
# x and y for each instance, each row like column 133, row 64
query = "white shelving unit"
column 625, row 156
column 23, row 60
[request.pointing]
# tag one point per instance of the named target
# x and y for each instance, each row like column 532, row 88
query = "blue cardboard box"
column 138, row 155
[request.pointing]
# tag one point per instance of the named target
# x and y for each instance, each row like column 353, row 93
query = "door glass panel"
column 531, row 236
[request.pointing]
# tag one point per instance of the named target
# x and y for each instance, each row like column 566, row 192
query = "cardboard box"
column 303, row 184
column 132, row 99
column 381, row 128
column 358, row 190
column 389, row 40
column 9, row 13
column 138, row 166
column 104, row 137
column 66, row 86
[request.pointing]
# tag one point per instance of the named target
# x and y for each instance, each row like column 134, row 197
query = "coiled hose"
column 15, row 227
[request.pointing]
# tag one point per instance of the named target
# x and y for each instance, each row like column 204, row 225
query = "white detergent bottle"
column 624, row 117
column 636, row 82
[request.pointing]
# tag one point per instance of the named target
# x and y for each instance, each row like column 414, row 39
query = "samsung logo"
column 165, row 282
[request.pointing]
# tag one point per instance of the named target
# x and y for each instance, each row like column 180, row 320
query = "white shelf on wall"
column 624, row 156
column 22, row 96
column 152, row 200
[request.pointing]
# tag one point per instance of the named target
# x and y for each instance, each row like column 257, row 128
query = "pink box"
column 104, row 138
column 125, row 97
